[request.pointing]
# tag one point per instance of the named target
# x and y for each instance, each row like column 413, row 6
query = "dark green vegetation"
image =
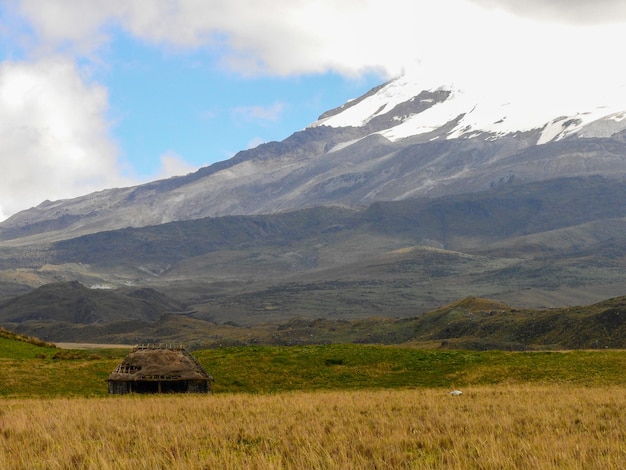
column 472, row 323
column 28, row 370
column 481, row 324
column 275, row 369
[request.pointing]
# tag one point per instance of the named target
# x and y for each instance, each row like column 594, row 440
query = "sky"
column 96, row 94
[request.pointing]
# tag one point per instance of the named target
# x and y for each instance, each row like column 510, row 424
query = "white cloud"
column 559, row 11
column 54, row 138
column 348, row 36
column 252, row 36
column 67, row 24
column 258, row 114
column 173, row 164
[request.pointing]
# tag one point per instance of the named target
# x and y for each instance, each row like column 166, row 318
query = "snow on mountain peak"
column 474, row 113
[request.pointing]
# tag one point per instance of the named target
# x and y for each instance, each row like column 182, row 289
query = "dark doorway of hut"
column 181, row 386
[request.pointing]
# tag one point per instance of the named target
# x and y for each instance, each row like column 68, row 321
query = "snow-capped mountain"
column 398, row 141
column 415, row 112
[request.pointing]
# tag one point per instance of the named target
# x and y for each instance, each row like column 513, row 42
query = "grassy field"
column 331, row 367
column 29, row 371
column 488, row 427
column 319, row 407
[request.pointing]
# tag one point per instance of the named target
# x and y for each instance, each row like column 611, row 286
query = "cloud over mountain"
column 53, row 135
column 559, row 11
column 60, row 135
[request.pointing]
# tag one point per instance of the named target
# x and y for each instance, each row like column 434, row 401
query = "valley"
column 236, row 279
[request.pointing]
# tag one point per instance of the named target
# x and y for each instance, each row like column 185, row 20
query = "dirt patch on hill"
column 92, row 346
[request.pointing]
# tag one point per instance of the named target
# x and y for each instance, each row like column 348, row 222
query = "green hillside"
column 30, row 367
column 473, row 323
column 43, row 371
column 481, row 324
column 15, row 346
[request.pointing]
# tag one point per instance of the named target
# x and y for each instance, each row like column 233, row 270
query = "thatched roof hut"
column 159, row 369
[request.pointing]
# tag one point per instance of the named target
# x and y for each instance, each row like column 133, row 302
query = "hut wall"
column 146, row 386
column 198, row 386
column 119, row 388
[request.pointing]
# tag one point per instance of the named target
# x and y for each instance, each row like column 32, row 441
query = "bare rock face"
column 391, row 144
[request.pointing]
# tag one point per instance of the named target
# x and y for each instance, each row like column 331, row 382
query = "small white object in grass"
column 456, row 392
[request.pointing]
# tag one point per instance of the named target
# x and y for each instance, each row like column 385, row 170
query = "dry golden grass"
column 525, row 427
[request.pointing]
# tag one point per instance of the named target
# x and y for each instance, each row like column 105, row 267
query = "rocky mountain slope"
column 389, row 206
column 394, row 143
column 545, row 244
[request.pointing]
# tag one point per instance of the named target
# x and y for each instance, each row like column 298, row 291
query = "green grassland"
column 42, row 371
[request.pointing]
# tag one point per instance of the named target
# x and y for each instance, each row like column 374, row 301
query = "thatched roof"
column 158, row 363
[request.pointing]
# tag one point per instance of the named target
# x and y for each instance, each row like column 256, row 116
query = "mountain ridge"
column 401, row 146
column 534, row 227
